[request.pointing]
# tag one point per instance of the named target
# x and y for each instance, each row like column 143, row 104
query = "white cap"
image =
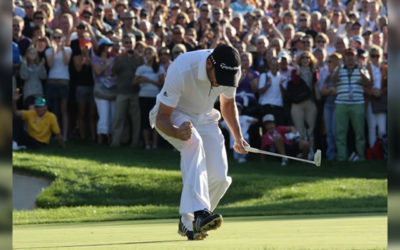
column 284, row 54
column 268, row 118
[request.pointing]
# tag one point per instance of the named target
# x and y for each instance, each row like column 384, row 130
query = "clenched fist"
column 185, row 131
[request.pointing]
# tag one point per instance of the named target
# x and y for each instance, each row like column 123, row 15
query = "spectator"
column 276, row 139
column 165, row 57
column 40, row 124
column 248, row 86
column 32, row 72
column 22, row 41
column 58, row 57
column 129, row 26
column 39, row 19
column 302, row 91
column 30, row 8
column 304, row 24
column 262, row 44
column 178, row 35
column 377, row 106
column 82, row 77
column 329, row 92
column 48, row 11
column 127, row 100
column 271, row 88
column 104, row 88
column 349, row 103
column 150, row 78
column 177, row 50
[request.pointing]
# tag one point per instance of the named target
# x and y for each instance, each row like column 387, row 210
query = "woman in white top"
column 150, row 77
column 57, row 87
column 376, row 118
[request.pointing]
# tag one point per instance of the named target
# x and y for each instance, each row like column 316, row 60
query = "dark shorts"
column 56, row 90
column 84, row 94
column 146, row 104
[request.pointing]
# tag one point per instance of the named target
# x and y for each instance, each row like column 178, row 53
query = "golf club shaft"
column 255, row 150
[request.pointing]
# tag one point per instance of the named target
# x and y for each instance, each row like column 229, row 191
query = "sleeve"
column 229, row 92
column 25, row 114
column 173, row 87
column 55, row 129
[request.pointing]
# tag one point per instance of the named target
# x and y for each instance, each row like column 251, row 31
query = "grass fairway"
column 352, row 231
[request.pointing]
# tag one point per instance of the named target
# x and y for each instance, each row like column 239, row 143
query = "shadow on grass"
column 251, row 180
column 103, row 245
column 167, row 159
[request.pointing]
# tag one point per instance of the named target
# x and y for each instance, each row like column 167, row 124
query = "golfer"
column 185, row 117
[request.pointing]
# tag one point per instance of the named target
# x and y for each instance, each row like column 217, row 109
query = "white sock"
column 187, row 220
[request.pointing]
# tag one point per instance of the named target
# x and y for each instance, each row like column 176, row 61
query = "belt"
column 58, row 81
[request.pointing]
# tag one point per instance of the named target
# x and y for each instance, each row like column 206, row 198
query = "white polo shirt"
column 187, row 87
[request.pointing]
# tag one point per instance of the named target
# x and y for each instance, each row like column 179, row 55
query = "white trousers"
column 375, row 120
column 204, row 163
column 105, row 110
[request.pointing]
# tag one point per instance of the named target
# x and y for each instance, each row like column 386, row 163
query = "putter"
column 316, row 162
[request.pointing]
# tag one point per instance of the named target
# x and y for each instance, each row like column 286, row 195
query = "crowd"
column 315, row 68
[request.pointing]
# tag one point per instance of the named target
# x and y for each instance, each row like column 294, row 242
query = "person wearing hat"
column 185, row 117
column 351, row 81
column 282, row 139
column 40, row 124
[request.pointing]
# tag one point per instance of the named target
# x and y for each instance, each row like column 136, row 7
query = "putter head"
column 317, row 158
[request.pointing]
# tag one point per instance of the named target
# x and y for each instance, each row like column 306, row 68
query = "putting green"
column 353, row 231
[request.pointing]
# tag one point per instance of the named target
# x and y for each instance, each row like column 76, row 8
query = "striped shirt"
column 349, row 87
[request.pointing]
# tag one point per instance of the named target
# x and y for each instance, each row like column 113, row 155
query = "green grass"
column 365, row 231
column 95, row 183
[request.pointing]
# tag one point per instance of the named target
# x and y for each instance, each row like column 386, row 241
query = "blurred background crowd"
column 316, row 67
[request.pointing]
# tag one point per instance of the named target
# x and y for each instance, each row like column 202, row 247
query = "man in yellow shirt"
column 40, row 124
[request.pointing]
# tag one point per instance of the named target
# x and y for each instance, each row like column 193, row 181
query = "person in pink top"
column 284, row 140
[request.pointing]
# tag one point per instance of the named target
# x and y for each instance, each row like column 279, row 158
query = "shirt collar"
column 202, row 73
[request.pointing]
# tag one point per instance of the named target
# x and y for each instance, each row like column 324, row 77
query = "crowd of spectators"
column 317, row 65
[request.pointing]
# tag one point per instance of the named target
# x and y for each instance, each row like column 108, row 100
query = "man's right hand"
column 184, row 131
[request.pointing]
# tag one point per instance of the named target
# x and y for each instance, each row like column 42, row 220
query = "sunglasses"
column 178, row 52
column 204, row 10
column 303, row 20
column 321, row 41
column 29, row 7
column 39, row 18
column 375, row 56
column 56, row 37
column 306, row 42
column 305, row 57
column 127, row 42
